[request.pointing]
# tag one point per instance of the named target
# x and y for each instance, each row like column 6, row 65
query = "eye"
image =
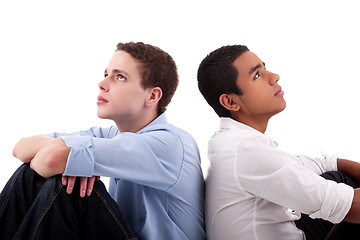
column 257, row 75
column 120, row 77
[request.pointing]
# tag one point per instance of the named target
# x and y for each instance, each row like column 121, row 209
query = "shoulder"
column 101, row 132
column 232, row 140
column 171, row 142
column 169, row 135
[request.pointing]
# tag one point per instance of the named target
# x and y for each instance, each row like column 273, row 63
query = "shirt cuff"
column 81, row 159
column 330, row 161
column 337, row 202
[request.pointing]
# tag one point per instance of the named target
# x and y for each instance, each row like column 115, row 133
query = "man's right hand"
column 86, row 184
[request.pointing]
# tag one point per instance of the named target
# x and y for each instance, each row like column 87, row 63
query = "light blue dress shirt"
column 155, row 176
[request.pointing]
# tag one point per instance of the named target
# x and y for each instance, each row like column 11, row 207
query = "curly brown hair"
column 157, row 67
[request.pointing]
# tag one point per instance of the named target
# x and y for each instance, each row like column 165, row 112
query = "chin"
column 102, row 116
column 282, row 108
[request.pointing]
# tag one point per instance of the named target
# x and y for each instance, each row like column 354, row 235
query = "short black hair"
column 217, row 75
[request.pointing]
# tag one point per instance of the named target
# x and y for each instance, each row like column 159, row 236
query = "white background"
column 53, row 54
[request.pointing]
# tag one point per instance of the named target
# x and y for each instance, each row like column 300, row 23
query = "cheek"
column 130, row 97
column 258, row 101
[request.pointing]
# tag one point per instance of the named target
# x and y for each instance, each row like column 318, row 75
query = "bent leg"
column 16, row 199
column 51, row 216
column 343, row 230
column 314, row 229
column 32, row 207
column 102, row 211
column 72, row 217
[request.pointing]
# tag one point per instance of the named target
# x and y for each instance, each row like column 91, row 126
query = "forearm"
column 351, row 168
column 353, row 215
column 26, row 148
column 51, row 159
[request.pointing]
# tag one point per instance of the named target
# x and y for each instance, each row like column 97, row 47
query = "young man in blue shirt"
column 154, row 167
column 253, row 189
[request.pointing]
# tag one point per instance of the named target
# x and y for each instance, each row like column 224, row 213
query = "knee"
column 339, row 177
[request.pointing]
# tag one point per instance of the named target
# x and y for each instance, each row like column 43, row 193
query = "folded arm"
column 26, row 148
column 51, row 159
column 153, row 159
column 48, row 157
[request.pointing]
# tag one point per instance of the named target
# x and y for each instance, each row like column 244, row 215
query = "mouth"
column 279, row 92
column 101, row 100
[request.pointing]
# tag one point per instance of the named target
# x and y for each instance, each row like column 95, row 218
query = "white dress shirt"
column 252, row 187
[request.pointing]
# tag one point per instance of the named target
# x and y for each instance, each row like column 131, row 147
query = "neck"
column 259, row 124
column 135, row 124
column 261, row 127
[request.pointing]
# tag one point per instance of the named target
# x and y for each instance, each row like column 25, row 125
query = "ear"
column 154, row 97
column 229, row 102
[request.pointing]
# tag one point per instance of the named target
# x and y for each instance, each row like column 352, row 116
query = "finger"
column 90, row 185
column 83, row 186
column 64, row 180
column 70, row 184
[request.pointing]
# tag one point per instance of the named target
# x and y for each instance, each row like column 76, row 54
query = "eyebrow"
column 252, row 70
column 117, row 71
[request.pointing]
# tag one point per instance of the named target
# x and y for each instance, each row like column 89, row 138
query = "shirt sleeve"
column 319, row 165
column 92, row 132
column 153, row 159
column 280, row 178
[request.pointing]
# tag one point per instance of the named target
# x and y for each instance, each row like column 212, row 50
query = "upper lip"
column 278, row 90
column 100, row 98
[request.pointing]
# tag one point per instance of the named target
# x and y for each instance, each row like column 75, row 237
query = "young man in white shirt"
column 156, row 183
column 254, row 190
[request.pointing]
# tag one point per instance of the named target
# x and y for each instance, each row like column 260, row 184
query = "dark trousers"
column 318, row 229
column 32, row 207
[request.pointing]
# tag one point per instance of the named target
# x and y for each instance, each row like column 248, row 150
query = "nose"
column 274, row 78
column 103, row 85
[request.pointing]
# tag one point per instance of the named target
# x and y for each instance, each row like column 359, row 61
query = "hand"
column 86, row 184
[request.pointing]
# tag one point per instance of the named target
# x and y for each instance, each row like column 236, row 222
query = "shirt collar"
column 161, row 119
column 231, row 124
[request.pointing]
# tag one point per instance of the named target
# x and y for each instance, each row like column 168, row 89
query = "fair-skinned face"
column 122, row 98
column 261, row 97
